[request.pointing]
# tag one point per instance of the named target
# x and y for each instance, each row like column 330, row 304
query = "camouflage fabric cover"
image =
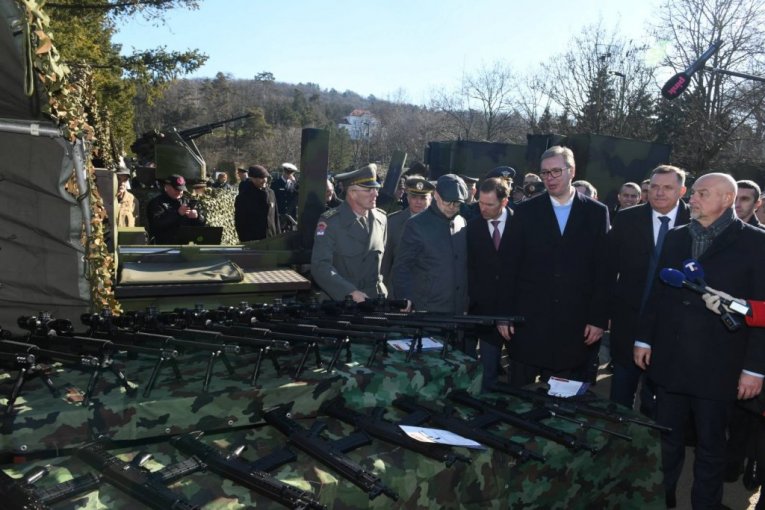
column 623, row 474
column 42, row 422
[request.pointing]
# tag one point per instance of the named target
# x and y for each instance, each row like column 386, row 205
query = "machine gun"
column 330, row 453
column 253, row 475
column 206, row 129
column 448, row 325
column 377, row 426
column 129, row 477
column 575, row 406
column 58, row 343
column 243, row 325
column 519, row 421
column 23, row 493
column 420, row 413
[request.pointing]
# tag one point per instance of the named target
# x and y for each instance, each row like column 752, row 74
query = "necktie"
column 363, row 222
column 495, row 235
column 662, row 234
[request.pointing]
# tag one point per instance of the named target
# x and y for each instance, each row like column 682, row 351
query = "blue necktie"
column 662, row 234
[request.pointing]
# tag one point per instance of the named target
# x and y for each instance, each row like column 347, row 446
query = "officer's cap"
column 366, row 177
column 242, row 170
column 503, row 172
column 451, row 188
column 469, row 180
column 532, row 188
column 289, row 168
column 177, row 182
column 417, row 185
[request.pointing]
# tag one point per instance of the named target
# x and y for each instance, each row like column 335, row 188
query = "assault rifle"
column 253, row 475
column 23, row 493
column 474, row 429
column 377, row 426
column 575, row 406
column 519, row 421
column 206, row 129
column 331, row 453
column 129, row 477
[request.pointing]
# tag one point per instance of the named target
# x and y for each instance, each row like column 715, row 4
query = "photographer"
column 171, row 210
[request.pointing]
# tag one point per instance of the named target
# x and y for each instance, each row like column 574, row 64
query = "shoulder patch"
column 320, row 228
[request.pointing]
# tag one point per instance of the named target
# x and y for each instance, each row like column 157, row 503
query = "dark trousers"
column 522, row 374
column 710, row 419
column 624, row 385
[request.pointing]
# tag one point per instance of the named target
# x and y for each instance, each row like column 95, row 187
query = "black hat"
column 451, row 188
column 257, row 171
column 366, row 177
column 503, row 172
column 177, row 182
column 469, row 180
column 417, row 185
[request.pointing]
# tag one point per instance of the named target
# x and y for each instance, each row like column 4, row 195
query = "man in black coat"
column 747, row 202
column 255, row 208
column 558, row 276
column 699, row 366
column 286, row 190
column 488, row 283
column 171, row 210
column 633, row 247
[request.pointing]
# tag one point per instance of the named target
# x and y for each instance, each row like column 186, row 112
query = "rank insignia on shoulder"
column 330, row 213
column 320, row 228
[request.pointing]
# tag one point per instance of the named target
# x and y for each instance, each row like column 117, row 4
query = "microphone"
column 676, row 278
column 679, row 82
column 694, row 272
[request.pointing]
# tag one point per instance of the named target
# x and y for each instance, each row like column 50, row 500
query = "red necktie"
column 495, row 235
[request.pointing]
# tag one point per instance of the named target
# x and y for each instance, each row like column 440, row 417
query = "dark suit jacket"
column 558, row 282
column 692, row 351
column 396, row 223
column 630, row 246
column 488, row 275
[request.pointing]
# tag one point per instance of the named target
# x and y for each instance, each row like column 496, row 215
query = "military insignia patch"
column 320, row 228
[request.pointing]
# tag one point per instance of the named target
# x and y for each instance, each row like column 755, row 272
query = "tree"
column 83, row 32
column 603, row 82
column 716, row 108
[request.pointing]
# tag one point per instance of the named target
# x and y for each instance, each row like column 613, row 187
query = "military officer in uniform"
column 350, row 240
column 419, row 192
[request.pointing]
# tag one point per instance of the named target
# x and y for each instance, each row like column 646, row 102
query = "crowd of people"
column 574, row 271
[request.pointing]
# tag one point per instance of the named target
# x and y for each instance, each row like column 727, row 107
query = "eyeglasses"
column 551, row 173
column 456, row 203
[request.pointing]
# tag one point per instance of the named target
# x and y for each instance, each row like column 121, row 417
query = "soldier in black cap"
column 419, row 192
column 430, row 267
column 170, row 210
column 255, row 215
column 350, row 240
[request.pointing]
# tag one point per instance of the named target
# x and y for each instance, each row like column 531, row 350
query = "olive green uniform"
column 345, row 256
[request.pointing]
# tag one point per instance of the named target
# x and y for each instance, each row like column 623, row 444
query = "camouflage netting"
column 72, row 103
column 219, row 205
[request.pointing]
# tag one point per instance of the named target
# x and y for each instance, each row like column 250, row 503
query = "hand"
column 592, row 334
column 713, row 297
column 504, row 329
column 192, row 213
column 712, row 301
column 183, row 210
column 749, row 386
column 641, row 356
column 358, row 296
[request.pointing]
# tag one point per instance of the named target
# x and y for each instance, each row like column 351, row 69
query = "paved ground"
column 735, row 496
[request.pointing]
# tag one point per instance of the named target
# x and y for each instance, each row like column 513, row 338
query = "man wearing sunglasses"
column 556, row 266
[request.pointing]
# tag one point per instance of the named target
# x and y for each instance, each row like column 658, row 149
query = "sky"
column 401, row 50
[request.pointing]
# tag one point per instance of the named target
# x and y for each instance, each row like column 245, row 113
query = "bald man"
column 700, row 366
